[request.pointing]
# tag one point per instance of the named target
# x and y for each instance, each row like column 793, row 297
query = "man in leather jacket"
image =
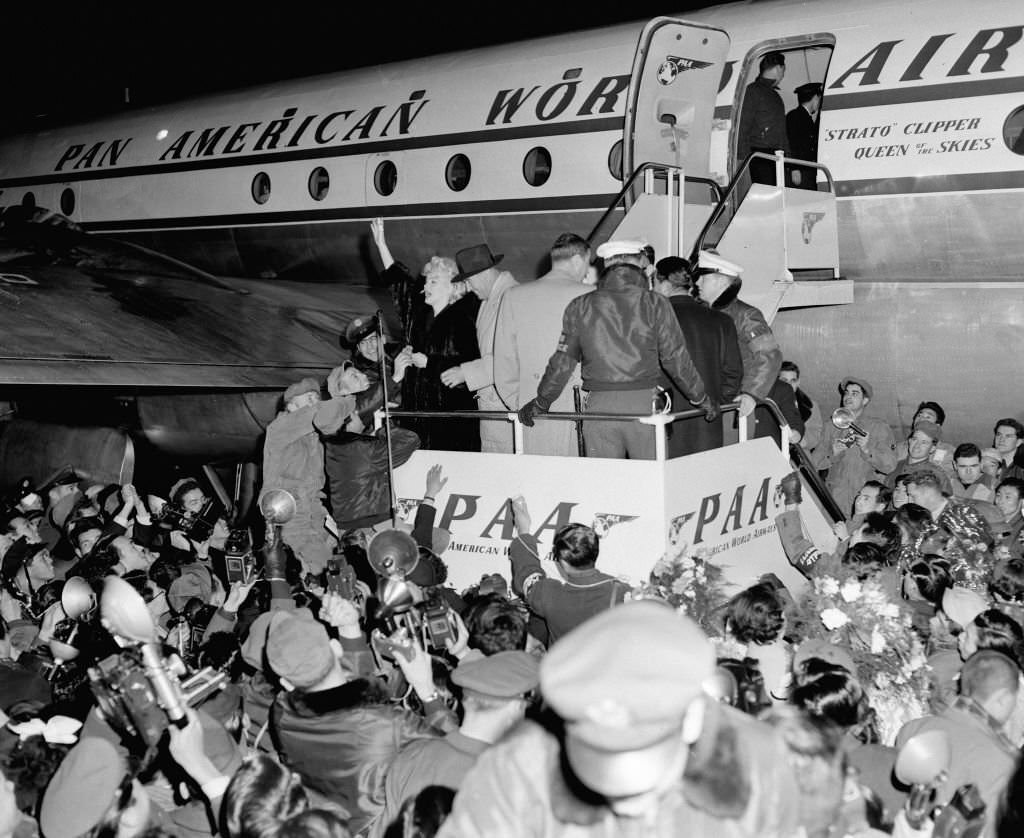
column 623, row 334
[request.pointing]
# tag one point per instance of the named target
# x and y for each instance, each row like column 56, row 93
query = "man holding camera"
column 863, row 450
column 336, row 731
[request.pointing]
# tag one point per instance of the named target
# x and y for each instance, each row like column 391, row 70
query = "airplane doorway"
column 806, row 62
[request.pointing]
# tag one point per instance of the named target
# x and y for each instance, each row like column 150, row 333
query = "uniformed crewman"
column 623, row 334
column 802, row 131
column 719, row 282
column 763, row 118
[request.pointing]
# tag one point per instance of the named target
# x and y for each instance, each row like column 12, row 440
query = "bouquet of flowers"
column 690, row 583
column 891, row 662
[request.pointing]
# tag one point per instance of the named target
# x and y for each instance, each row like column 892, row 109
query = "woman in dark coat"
column 440, row 326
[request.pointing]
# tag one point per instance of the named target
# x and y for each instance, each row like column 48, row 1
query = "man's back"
column 562, row 605
column 529, row 323
column 714, row 348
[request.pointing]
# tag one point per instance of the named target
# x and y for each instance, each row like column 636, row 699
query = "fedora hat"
column 472, row 260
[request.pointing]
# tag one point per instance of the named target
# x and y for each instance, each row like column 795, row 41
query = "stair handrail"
column 630, row 184
column 738, row 179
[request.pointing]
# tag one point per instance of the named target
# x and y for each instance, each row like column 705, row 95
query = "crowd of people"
column 173, row 668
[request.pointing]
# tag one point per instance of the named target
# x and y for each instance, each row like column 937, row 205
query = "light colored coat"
column 529, row 323
column 495, row 437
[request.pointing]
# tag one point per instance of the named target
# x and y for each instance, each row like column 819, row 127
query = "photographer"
column 981, row 753
column 336, row 731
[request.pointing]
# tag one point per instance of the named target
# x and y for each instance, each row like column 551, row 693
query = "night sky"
column 68, row 61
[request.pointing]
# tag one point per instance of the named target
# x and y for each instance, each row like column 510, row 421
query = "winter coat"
column 529, row 322
column 714, row 347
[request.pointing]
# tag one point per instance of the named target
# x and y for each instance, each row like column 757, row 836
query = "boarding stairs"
column 785, row 238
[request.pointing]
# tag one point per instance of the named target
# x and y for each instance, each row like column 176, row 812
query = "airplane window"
column 67, row 201
column 261, row 188
column 537, row 166
column 28, row 199
column 319, row 183
column 385, row 179
column 457, row 173
column 1013, row 131
column 615, row 160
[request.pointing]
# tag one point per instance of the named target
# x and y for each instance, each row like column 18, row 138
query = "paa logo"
column 673, row 66
column 810, row 219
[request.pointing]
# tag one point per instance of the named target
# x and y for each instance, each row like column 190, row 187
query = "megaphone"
column 277, row 506
column 77, row 598
column 393, row 553
column 843, row 419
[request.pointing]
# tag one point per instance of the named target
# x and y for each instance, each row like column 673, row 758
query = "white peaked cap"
column 711, row 261
column 620, row 248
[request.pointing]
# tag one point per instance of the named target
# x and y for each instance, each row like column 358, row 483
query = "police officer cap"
column 672, row 265
column 711, row 261
column 866, row 388
column 360, row 327
column 622, row 681
column 625, row 247
column 806, row 92
column 504, row 675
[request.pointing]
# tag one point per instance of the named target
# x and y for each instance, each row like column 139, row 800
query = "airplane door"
column 672, row 92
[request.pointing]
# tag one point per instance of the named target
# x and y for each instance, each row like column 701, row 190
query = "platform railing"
column 659, row 421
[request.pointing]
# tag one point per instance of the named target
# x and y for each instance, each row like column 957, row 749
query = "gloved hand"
column 711, row 411
column 791, row 489
column 529, row 411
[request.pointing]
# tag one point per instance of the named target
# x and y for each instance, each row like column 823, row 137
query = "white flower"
column 890, row 610
column 851, row 590
column 877, row 642
column 828, row 586
column 882, row 680
column 833, row 618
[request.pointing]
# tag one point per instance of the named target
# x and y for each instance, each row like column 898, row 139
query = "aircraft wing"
column 125, row 328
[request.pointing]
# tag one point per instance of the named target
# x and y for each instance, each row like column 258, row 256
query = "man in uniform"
column 763, row 118
column 712, row 343
column 529, row 322
column 719, row 282
column 623, row 334
column 852, row 458
column 802, row 131
column 356, row 458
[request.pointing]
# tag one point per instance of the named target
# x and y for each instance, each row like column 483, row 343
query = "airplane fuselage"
column 920, row 128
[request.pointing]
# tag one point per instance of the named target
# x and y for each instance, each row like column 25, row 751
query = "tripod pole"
column 382, row 361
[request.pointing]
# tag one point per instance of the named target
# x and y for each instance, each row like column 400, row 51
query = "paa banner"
column 722, row 502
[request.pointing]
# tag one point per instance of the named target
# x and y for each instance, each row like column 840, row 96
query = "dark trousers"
column 619, row 440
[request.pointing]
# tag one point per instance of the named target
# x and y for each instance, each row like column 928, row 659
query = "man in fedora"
column 636, row 748
column 478, row 268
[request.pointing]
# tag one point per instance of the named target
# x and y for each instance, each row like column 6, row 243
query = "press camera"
column 140, row 693
column 240, row 563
